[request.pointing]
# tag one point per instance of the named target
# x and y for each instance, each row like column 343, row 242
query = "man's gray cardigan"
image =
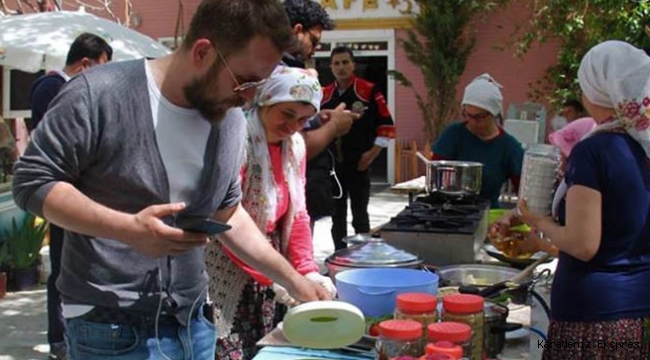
column 98, row 135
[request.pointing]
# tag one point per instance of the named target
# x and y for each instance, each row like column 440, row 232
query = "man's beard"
column 211, row 109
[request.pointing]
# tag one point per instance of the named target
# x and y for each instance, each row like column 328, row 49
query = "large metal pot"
column 453, row 177
column 372, row 253
column 483, row 276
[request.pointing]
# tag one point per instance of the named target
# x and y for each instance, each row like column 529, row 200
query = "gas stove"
column 441, row 229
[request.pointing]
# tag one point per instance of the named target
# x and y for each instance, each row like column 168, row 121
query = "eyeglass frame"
column 478, row 117
column 315, row 41
column 240, row 87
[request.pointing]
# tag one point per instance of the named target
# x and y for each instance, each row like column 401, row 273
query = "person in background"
column 479, row 138
column 129, row 149
column 87, row 50
column 355, row 151
column 565, row 139
column 601, row 286
column 273, row 186
column 572, row 109
column 308, row 20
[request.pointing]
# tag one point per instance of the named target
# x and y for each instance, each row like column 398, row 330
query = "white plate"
column 324, row 325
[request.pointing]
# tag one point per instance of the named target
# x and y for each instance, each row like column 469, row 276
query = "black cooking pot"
column 496, row 327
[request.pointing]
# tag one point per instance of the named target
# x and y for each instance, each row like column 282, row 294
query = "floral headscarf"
column 616, row 75
column 286, row 84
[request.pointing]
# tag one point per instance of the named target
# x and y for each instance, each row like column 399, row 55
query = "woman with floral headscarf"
column 601, row 291
column 248, row 304
column 480, row 138
column 565, row 139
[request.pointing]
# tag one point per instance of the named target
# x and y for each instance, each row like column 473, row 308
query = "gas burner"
column 443, row 210
column 429, row 221
column 449, row 201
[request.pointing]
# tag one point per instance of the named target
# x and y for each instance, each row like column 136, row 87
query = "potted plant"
column 4, row 253
column 24, row 244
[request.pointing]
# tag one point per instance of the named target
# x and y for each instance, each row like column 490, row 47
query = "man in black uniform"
column 355, row 151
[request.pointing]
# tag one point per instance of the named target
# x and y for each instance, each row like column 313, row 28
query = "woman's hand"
column 526, row 215
column 503, row 224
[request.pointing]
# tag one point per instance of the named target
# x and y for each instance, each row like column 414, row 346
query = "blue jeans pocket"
column 90, row 340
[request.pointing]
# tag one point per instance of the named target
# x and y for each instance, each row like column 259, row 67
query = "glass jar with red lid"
column 467, row 309
column 399, row 338
column 420, row 307
column 457, row 333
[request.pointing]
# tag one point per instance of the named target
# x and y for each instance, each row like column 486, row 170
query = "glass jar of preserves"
column 444, row 347
column 418, row 307
column 457, row 333
column 399, row 338
column 467, row 309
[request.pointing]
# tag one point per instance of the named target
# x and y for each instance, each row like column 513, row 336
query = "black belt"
column 104, row 315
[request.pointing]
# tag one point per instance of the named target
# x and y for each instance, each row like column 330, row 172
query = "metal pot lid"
column 373, row 252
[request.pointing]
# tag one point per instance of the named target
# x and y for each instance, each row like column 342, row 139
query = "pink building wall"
column 159, row 19
column 513, row 73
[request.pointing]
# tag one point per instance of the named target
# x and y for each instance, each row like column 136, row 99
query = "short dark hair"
column 89, row 46
column 577, row 105
column 309, row 13
column 342, row 50
column 233, row 23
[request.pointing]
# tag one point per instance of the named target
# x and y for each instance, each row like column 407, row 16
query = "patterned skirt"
column 257, row 314
column 626, row 339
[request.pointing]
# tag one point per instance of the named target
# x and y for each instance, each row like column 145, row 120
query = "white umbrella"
column 34, row 42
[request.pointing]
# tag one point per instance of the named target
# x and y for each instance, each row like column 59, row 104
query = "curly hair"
column 308, row 13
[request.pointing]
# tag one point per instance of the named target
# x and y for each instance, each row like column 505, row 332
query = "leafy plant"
column 578, row 25
column 439, row 44
column 24, row 242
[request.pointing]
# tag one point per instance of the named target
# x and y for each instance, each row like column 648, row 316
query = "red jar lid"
column 444, row 347
column 463, row 303
column 400, row 329
column 416, row 302
column 449, row 331
column 436, row 357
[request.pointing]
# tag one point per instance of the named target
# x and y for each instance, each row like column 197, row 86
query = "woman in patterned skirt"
column 249, row 305
column 600, row 298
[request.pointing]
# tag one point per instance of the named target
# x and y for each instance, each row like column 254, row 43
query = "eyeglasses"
column 315, row 40
column 241, row 87
column 477, row 117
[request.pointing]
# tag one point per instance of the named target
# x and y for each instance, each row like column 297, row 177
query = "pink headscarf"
column 569, row 135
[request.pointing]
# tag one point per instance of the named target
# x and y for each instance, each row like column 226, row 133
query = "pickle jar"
column 418, row 307
column 467, row 309
column 459, row 334
column 399, row 338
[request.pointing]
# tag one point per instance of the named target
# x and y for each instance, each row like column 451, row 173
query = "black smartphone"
column 200, row 224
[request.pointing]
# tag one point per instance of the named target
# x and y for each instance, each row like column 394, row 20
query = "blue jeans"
column 96, row 341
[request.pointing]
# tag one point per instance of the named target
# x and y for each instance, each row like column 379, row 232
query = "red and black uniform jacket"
column 376, row 120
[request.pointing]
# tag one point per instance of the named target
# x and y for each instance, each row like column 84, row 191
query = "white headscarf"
column 286, row 84
column 484, row 92
column 616, row 75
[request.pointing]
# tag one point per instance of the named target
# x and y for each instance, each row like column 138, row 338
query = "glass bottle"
column 467, row 309
column 399, row 338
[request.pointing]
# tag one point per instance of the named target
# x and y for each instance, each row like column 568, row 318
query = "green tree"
column 439, row 44
column 578, row 25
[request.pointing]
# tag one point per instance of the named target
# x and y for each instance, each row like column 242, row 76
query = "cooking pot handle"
column 507, row 327
column 375, row 292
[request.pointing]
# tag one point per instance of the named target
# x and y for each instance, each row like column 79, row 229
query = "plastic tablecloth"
column 292, row 353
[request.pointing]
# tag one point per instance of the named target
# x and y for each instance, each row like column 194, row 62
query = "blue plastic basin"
column 374, row 290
